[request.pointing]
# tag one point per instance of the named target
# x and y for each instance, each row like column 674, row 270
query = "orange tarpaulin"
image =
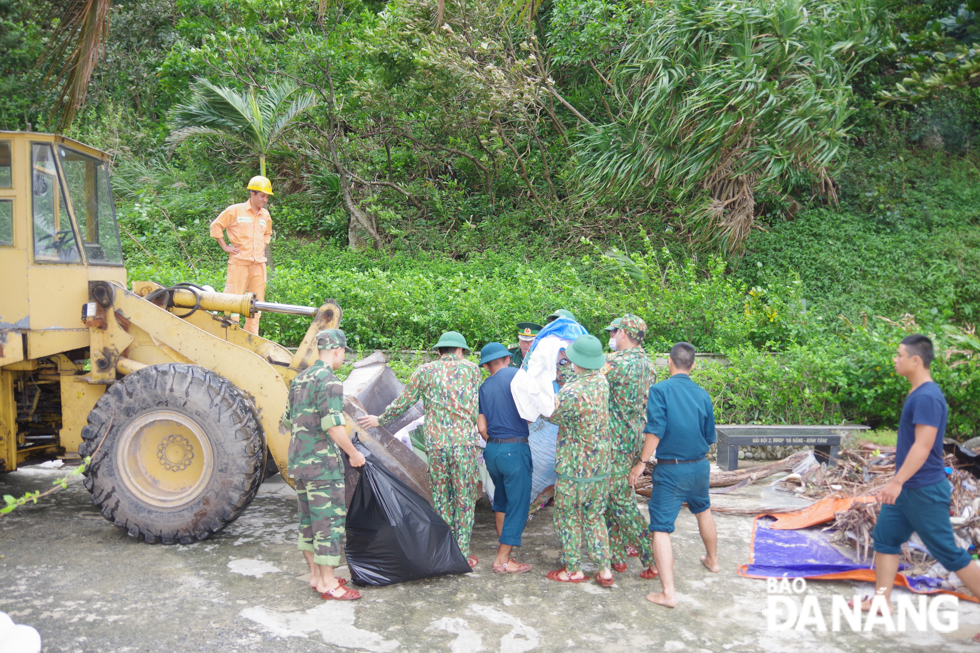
column 818, row 513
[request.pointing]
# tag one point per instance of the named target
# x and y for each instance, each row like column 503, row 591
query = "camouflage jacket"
column 450, row 391
column 630, row 373
column 316, row 403
column 582, row 416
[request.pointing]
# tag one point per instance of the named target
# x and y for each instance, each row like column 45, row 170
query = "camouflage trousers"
column 580, row 508
column 322, row 516
column 625, row 523
column 453, row 477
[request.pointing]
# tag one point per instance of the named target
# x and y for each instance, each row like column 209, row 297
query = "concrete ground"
column 86, row 586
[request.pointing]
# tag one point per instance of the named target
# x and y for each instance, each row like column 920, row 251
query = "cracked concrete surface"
column 86, row 586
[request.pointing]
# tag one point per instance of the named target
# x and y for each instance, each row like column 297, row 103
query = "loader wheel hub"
column 164, row 458
column 175, row 452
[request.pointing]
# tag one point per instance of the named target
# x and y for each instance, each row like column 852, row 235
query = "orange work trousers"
column 243, row 278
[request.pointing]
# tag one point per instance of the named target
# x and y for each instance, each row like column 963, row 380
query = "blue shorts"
column 923, row 510
column 510, row 468
column 672, row 486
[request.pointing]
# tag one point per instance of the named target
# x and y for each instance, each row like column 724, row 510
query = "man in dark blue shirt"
column 917, row 499
column 679, row 430
column 508, row 455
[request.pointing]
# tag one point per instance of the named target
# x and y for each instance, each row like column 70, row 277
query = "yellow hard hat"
column 260, row 184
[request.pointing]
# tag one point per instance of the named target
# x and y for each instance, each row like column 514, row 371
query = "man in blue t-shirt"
column 508, row 455
column 679, row 430
column 917, row 499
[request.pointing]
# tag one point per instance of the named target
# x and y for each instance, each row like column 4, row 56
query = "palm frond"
column 74, row 51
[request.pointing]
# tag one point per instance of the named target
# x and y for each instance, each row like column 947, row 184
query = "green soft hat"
column 634, row 326
column 561, row 312
column 492, row 351
column 452, row 339
column 614, row 324
column 586, row 352
column 528, row 330
column 332, row 339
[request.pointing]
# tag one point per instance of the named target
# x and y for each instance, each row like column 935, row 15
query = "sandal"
column 554, row 575
column 346, row 594
column 631, row 551
column 649, row 574
column 342, row 581
column 502, row 569
column 605, row 582
column 619, row 566
column 473, row 561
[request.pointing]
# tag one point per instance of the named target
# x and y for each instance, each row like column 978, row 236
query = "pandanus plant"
column 721, row 101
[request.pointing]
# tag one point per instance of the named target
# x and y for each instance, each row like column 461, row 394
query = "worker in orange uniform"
column 249, row 228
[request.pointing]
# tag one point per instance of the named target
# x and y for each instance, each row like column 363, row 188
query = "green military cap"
column 614, row 324
column 561, row 312
column 452, row 339
column 527, row 330
column 586, row 352
column 332, row 339
column 634, row 326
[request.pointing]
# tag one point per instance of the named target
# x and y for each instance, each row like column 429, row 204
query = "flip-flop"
column 605, row 582
column 619, row 566
column 346, row 594
column 472, row 561
column 502, row 569
column 649, row 574
column 554, row 575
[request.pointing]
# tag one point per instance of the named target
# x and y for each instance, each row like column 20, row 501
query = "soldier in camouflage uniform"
column 449, row 389
column 630, row 373
column 314, row 416
column 582, row 461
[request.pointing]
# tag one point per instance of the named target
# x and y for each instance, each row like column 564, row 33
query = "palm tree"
column 255, row 121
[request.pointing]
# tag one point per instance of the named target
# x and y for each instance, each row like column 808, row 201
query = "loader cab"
column 58, row 232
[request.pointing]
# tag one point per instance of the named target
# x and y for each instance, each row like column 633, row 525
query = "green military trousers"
column 625, row 523
column 453, row 478
column 322, row 517
column 580, row 509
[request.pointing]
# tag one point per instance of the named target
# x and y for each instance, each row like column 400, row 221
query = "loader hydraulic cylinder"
column 241, row 304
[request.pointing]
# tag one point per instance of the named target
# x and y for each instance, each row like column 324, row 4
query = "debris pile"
column 854, row 527
column 859, row 472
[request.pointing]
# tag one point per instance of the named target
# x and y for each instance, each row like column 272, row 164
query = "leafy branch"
column 12, row 503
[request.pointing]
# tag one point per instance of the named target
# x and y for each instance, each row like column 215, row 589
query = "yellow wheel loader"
column 177, row 406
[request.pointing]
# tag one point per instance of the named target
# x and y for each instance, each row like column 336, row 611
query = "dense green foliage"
column 496, row 168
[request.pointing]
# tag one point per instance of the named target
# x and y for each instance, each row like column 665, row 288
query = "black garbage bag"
column 393, row 535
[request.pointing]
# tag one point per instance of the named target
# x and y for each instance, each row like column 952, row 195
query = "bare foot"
column 866, row 607
column 660, row 599
column 564, row 575
column 711, row 566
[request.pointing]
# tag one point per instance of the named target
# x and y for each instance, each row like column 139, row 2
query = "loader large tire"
column 177, row 453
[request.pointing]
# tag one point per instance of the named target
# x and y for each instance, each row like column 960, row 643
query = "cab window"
column 88, row 188
column 6, row 222
column 6, row 180
column 54, row 237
